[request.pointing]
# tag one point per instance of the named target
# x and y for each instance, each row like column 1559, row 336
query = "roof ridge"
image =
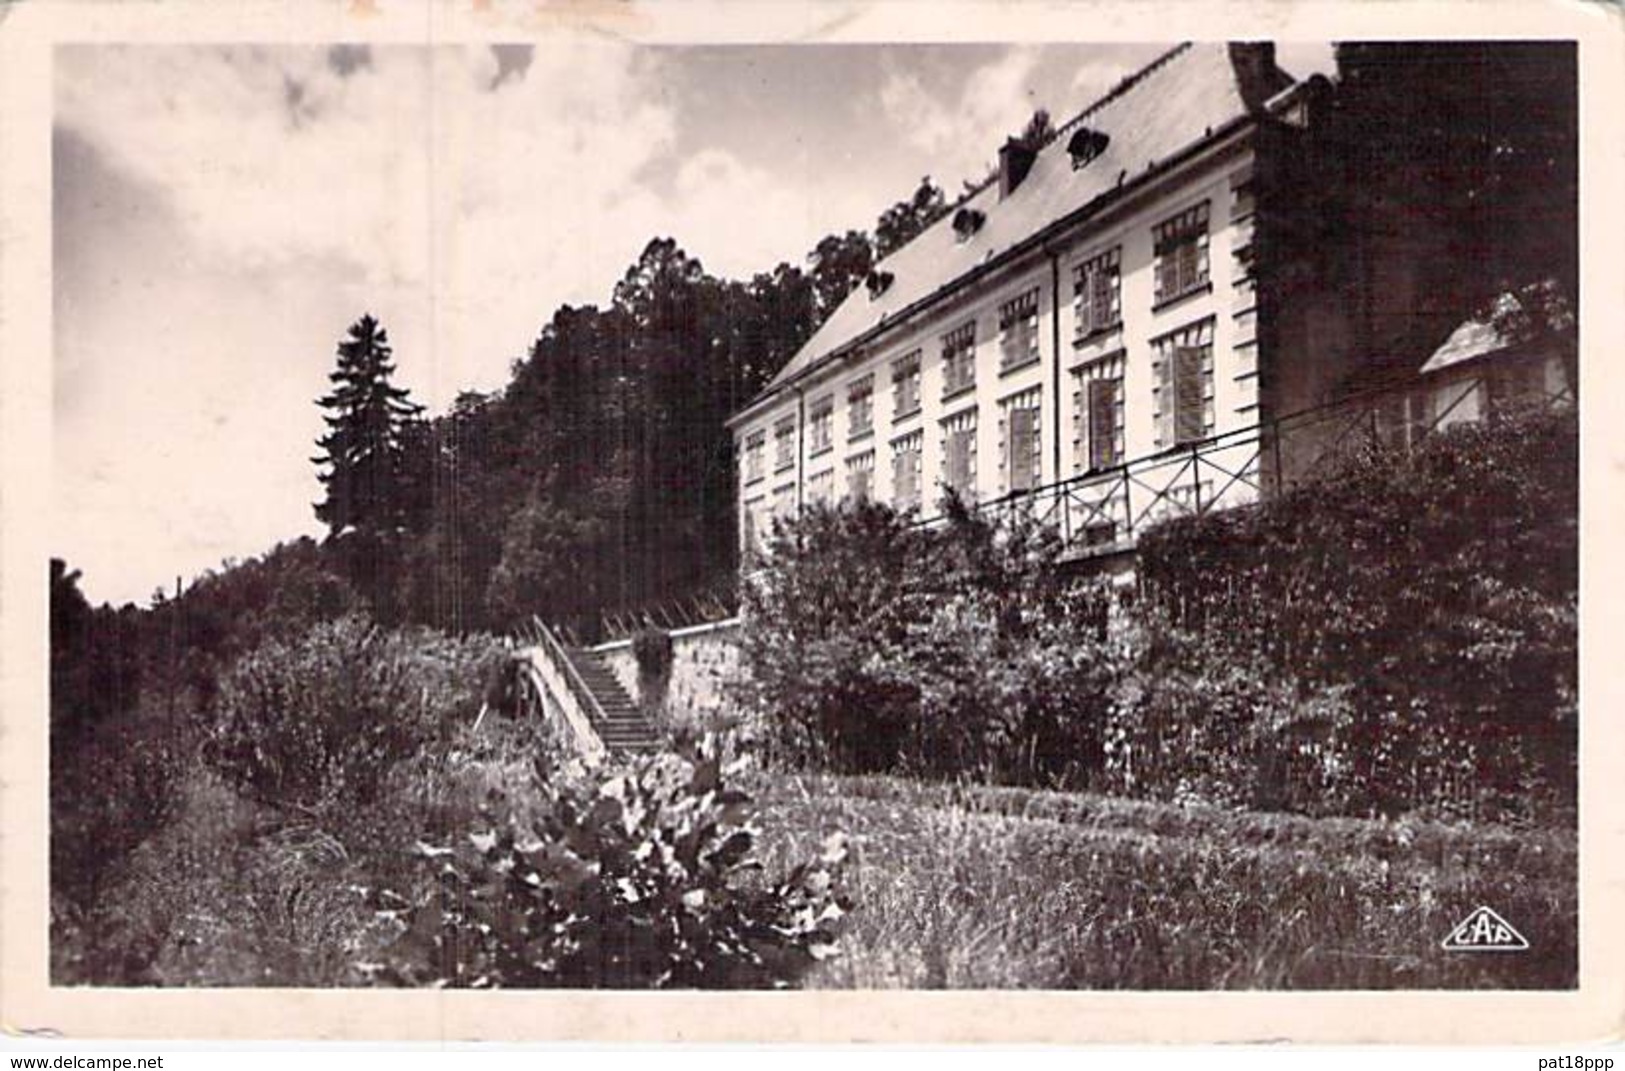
column 1128, row 82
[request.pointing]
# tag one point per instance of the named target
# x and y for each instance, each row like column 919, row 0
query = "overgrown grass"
column 998, row 888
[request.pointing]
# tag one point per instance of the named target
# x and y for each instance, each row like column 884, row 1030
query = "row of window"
column 1181, row 266
column 1182, row 406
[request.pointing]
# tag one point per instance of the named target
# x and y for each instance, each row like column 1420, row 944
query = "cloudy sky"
column 221, row 214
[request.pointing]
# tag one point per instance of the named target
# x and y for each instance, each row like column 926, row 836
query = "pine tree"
column 363, row 449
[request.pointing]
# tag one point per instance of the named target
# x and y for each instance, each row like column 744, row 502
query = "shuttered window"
column 1097, row 414
column 1181, row 248
column 906, row 386
column 752, row 536
column 755, row 456
column 784, row 503
column 784, row 445
column 1188, row 394
column 1184, row 373
column 820, row 423
column 1096, row 294
column 821, row 488
column 906, row 471
column 860, row 407
column 959, row 359
column 1021, row 447
column 1103, row 423
column 860, row 476
column 1018, row 330
column 959, row 453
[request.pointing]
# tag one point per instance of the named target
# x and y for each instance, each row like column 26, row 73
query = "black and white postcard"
column 805, row 509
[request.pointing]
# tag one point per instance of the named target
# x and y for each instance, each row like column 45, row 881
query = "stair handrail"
column 589, row 713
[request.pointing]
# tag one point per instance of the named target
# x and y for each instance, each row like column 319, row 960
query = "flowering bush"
column 321, row 719
column 634, row 878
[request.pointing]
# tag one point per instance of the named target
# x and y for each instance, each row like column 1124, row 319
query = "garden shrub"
column 111, row 789
column 1398, row 636
column 652, row 651
column 1425, row 603
column 319, row 720
column 633, row 878
column 652, row 648
column 875, row 645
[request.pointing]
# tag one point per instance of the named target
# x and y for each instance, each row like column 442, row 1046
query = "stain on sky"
column 512, row 62
column 345, row 60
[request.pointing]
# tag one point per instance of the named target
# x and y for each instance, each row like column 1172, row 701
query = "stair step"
column 619, row 722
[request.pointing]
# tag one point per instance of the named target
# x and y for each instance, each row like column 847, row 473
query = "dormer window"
column 1085, row 145
column 967, row 221
column 878, row 283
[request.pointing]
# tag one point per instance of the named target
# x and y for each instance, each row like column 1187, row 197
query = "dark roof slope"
column 1177, row 101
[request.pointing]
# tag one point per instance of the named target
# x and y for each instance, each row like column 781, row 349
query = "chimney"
column 1257, row 77
column 1015, row 160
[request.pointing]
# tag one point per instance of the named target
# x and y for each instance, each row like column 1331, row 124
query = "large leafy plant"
column 632, row 878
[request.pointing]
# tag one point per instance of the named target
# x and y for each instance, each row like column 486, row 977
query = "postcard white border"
column 28, row 31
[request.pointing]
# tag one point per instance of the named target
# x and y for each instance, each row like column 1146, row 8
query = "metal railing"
column 712, row 603
column 1105, row 511
column 579, row 709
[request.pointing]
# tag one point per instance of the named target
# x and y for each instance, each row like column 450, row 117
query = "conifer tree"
column 363, row 449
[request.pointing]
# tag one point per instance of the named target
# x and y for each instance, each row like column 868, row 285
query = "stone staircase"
column 618, row 721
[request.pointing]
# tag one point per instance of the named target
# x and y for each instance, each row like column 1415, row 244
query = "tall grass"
column 958, row 887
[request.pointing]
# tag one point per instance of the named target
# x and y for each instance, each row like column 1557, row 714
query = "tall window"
column 860, row 407
column 821, row 488
column 784, row 503
column 751, row 540
column 959, row 453
column 905, row 380
column 755, row 451
column 1097, row 413
column 1183, row 365
column 784, row 444
column 820, row 421
column 1180, row 245
column 1023, row 456
column 1097, row 294
column 905, row 470
column 959, row 359
column 1018, row 330
column 860, row 476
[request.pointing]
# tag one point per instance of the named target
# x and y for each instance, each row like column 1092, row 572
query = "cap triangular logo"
column 1484, row 931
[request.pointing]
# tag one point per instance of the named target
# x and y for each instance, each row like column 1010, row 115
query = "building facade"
column 1083, row 334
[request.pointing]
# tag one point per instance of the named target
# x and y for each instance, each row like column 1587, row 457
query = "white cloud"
column 492, row 206
column 288, row 197
column 963, row 130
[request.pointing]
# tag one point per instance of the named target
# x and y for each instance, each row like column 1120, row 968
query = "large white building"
column 1082, row 334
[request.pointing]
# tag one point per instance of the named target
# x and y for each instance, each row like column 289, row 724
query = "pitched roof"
column 1179, row 100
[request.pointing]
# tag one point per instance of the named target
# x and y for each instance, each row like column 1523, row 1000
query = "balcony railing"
column 1106, row 510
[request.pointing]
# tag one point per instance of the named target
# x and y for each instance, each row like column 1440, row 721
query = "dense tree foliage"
column 899, row 224
column 365, row 445
column 1462, row 154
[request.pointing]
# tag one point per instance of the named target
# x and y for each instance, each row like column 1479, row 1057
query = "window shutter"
column 1165, row 400
column 1101, row 301
column 957, row 467
column 1020, row 461
column 1187, row 400
column 1102, row 423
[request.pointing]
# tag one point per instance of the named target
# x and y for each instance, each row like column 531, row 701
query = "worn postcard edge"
column 29, row 29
